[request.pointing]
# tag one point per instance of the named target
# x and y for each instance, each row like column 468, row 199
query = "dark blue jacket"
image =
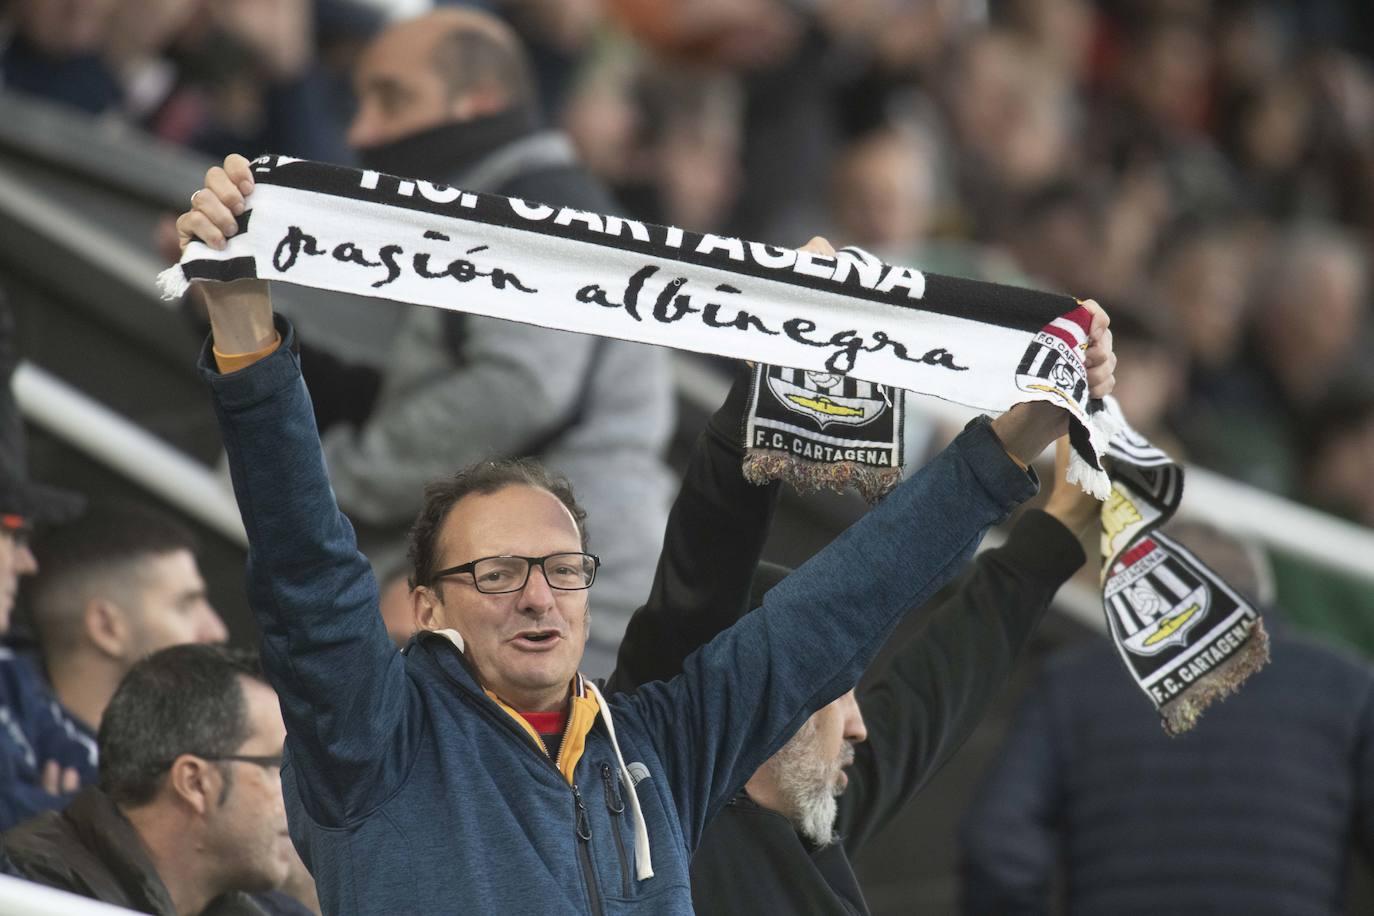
column 410, row 791
column 1252, row 813
column 34, row 728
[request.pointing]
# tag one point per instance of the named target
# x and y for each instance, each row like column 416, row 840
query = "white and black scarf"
column 849, row 328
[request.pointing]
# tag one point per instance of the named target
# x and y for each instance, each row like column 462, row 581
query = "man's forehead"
column 395, row 56
column 514, row 519
column 174, row 570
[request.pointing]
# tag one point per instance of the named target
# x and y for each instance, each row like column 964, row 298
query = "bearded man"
column 782, row 844
column 440, row 777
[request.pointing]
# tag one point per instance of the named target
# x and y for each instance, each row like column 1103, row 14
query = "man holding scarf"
column 420, row 781
column 448, row 97
column 783, row 844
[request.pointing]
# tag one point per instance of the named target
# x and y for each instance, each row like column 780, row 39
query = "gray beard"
column 806, row 782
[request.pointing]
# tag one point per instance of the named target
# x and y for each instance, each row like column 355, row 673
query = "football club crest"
column 819, row 429
column 1186, row 636
column 827, row 398
column 1053, row 362
column 1153, row 604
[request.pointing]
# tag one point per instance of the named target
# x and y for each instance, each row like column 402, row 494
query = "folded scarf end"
column 172, row 282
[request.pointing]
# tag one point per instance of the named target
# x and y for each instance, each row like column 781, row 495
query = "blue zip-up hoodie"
column 409, row 790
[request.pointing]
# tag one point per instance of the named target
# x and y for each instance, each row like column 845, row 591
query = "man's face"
column 171, row 608
column 399, row 91
column 15, row 560
column 809, row 769
column 246, row 832
column 526, row 645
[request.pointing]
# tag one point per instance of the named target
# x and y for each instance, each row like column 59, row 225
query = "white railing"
column 1243, row 510
column 185, row 483
column 24, row 898
column 104, row 435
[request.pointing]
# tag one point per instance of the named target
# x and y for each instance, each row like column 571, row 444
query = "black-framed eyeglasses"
column 498, row 575
column 271, row 762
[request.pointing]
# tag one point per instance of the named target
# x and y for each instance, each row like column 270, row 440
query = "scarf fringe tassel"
column 762, row 466
column 172, row 282
column 1181, row 713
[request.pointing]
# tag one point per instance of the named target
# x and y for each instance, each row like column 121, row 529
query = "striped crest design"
column 1186, row 637
column 1052, row 363
column 826, row 399
column 1152, row 602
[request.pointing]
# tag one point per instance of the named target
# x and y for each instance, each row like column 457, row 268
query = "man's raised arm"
column 324, row 645
column 941, row 681
column 711, row 547
column 754, row 684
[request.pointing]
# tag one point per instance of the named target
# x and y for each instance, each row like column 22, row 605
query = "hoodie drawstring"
column 644, row 866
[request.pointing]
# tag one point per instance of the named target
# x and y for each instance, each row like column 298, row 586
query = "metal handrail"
column 1241, row 509
column 24, row 898
column 128, row 449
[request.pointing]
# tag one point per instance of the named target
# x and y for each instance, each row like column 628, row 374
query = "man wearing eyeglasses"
column 188, row 816
column 478, row 771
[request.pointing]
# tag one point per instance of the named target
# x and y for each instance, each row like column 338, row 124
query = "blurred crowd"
column 1206, row 167
column 1203, row 167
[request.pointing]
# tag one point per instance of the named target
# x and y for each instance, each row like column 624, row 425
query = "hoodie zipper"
column 584, row 854
column 582, row 824
column 616, row 807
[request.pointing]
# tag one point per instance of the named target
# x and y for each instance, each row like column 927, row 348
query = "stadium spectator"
column 188, row 816
column 114, row 589
column 43, row 756
column 491, row 687
column 1309, row 312
column 212, row 76
column 1254, row 812
column 54, row 50
column 1336, row 478
column 448, row 97
column 1154, row 373
column 782, row 844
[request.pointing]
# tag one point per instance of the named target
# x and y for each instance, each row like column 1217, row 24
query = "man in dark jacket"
column 782, row 845
column 43, row 755
column 448, row 97
column 188, row 816
column 1253, row 813
column 422, row 780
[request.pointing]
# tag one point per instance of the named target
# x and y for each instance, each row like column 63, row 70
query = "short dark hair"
column 99, row 551
column 183, row 700
column 484, row 477
column 469, row 58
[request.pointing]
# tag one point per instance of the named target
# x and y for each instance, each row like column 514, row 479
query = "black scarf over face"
column 442, row 153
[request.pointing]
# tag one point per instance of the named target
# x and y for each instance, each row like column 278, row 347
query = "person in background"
column 114, row 589
column 1254, row 812
column 782, row 845
column 188, row 816
column 491, row 689
column 44, row 756
column 449, row 97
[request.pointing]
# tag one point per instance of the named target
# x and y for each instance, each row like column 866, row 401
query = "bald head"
column 447, row 66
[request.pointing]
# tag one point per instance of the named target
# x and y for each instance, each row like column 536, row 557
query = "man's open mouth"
column 535, row 638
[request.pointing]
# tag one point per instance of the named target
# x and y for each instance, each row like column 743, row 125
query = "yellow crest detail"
column 824, row 405
column 1118, row 514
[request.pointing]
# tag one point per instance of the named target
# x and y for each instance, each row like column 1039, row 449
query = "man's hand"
column 59, row 781
column 1027, row 428
column 215, row 206
column 1099, row 359
column 240, row 312
column 1068, row 503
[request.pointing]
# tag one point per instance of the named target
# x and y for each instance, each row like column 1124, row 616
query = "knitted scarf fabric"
column 851, row 331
